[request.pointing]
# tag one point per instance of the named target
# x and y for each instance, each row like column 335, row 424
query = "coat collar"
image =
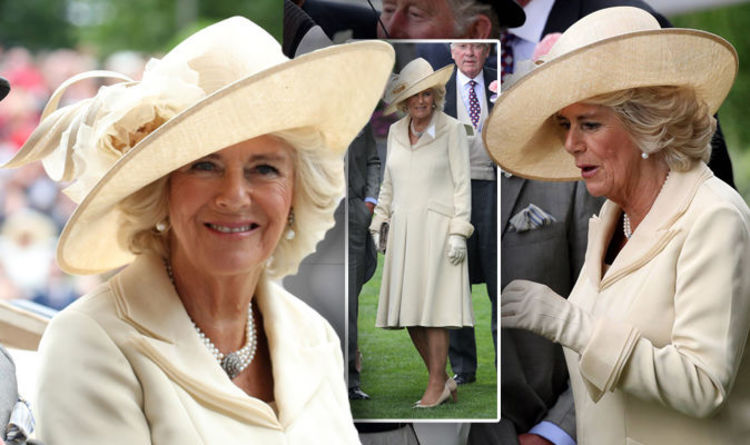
column 651, row 236
column 146, row 299
column 401, row 131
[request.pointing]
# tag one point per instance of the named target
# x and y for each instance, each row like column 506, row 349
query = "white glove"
column 456, row 249
column 537, row 308
column 376, row 240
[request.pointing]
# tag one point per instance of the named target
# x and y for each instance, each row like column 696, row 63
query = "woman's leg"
column 419, row 338
column 438, row 342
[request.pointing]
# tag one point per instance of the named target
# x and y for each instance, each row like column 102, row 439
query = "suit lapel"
column 489, row 76
column 450, row 95
column 510, row 190
column 563, row 14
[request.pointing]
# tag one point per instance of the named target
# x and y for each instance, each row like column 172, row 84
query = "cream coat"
column 123, row 365
column 426, row 196
column 665, row 364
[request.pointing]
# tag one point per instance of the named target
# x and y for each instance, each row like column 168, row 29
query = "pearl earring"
column 161, row 226
column 290, row 233
column 644, row 155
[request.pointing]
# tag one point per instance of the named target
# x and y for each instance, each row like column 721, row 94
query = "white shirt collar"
column 537, row 13
column 463, row 79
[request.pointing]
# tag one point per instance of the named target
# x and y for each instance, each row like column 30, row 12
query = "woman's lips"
column 233, row 227
column 587, row 171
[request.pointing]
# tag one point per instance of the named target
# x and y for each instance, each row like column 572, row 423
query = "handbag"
column 383, row 240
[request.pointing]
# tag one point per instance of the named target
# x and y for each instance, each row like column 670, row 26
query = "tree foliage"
column 35, row 24
column 106, row 26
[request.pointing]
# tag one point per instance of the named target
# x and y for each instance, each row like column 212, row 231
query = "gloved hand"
column 537, row 308
column 376, row 240
column 456, row 249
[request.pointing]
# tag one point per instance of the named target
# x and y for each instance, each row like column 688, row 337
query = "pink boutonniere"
column 493, row 88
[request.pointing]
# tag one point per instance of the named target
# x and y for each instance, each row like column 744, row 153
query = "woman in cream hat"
column 209, row 179
column 425, row 199
column 655, row 329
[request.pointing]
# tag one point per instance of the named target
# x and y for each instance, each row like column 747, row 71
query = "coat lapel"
column 651, row 236
column 510, row 190
column 146, row 299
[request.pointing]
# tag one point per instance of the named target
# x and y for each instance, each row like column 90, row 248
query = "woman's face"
column 603, row 149
column 420, row 105
column 229, row 209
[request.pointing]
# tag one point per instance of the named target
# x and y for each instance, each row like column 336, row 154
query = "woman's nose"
column 234, row 191
column 573, row 141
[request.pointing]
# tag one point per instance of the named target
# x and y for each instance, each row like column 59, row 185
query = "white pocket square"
column 530, row 218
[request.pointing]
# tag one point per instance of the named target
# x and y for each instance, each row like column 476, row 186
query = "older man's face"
column 418, row 19
column 469, row 57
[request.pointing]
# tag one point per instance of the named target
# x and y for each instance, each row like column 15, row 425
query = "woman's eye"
column 265, row 169
column 564, row 124
column 203, row 166
column 590, row 125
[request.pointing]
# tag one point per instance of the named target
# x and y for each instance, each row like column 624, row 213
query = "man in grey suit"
column 363, row 184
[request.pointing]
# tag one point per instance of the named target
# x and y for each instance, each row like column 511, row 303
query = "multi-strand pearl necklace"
column 234, row 362
column 626, row 229
column 418, row 134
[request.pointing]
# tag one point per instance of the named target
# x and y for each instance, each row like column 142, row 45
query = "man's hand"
column 532, row 439
column 370, row 207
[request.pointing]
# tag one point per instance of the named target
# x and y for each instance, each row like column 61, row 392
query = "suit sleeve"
column 694, row 372
column 383, row 208
column 458, row 154
column 372, row 185
column 88, row 392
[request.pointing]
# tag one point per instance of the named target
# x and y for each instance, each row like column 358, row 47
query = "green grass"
column 395, row 377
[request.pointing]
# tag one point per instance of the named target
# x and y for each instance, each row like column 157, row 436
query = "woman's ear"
column 480, row 29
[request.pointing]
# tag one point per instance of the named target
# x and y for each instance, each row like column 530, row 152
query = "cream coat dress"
column 665, row 364
column 124, row 365
column 426, row 196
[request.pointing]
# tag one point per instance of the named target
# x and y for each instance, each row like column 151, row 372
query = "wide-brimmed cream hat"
column 225, row 84
column 414, row 77
column 609, row 50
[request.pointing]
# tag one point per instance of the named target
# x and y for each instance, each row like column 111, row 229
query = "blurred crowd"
column 33, row 209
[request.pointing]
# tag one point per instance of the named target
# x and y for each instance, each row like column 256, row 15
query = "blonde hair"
column 438, row 99
column 666, row 120
column 318, row 187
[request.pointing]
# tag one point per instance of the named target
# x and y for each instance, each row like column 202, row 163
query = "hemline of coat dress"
column 425, row 197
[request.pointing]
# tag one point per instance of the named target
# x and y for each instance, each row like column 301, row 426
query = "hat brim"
column 436, row 78
column 20, row 328
column 322, row 89
column 521, row 135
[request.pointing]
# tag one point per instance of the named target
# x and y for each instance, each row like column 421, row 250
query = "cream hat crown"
column 227, row 83
column 414, row 77
column 609, row 50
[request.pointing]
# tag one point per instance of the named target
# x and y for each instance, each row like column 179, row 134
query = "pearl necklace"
column 234, row 362
column 418, row 134
column 626, row 229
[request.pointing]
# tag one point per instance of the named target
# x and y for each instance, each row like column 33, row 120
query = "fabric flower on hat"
column 125, row 113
